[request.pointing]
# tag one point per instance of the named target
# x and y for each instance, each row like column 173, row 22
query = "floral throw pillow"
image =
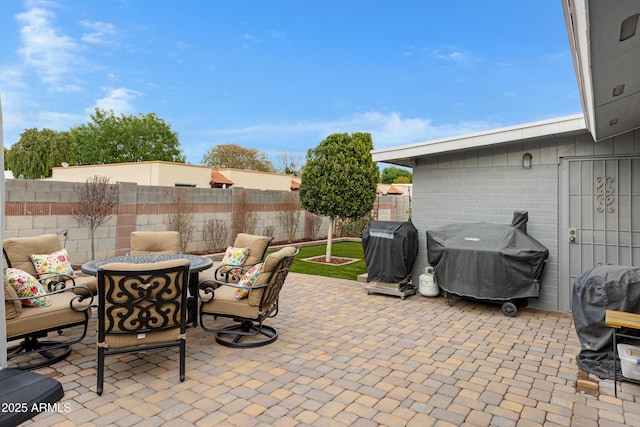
column 234, row 257
column 52, row 264
column 247, row 281
column 27, row 286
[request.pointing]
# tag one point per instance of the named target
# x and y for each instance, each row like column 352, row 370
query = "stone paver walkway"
column 345, row 358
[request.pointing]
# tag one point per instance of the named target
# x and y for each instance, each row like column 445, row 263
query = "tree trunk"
column 332, row 222
column 93, row 252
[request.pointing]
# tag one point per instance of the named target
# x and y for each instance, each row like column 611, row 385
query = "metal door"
column 599, row 217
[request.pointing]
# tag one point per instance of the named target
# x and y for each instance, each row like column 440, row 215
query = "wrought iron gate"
column 599, row 217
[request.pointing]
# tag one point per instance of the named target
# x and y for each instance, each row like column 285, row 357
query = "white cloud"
column 387, row 130
column 249, row 41
column 58, row 121
column 100, row 33
column 49, row 53
column 118, row 100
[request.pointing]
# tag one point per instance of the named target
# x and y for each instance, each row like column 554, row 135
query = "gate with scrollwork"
column 599, row 220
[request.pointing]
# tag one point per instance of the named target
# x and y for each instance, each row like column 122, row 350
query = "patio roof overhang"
column 605, row 45
column 405, row 155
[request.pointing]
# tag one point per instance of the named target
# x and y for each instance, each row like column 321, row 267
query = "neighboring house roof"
column 295, row 185
column 603, row 36
column 394, row 190
column 219, row 180
column 405, row 155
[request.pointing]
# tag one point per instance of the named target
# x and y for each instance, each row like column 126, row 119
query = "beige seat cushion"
column 155, row 242
column 19, row 249
column 12, row 309
column 132, row 340
column 256, row 244
column 269, row 264
column 90, row 282
column 57, row 315
column 225, row 302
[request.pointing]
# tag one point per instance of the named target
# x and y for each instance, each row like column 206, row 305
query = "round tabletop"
column 196, row 263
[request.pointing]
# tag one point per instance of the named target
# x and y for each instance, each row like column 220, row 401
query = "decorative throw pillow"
column 27, row 286
column 54, row 263
column 247, row 281
column 233, row 257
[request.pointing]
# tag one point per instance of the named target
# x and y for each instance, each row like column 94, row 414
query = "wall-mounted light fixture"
column 618, row 90
column 526, row 160
column 628, row 27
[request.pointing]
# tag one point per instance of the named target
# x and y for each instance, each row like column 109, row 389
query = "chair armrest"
column 77, row 303
column 207, row 288
column 223, row 273
column 54, row 280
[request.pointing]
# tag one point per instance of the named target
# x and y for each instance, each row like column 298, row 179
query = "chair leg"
column 183, row 353
column 100, row 371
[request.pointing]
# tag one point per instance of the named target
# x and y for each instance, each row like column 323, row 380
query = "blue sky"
column 282, row 75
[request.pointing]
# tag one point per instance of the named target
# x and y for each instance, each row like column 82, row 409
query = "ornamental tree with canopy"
column 340, row 179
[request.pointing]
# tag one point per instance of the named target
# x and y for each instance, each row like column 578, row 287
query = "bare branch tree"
column 290, row 163
column 215, row 233
column 96, row 199
column 181, row 220
column 244, row 219
column 289, row 215
column 313, row 222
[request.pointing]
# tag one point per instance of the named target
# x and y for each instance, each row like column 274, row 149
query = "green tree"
column 339, row 179
column 395, row 175
column 33, row 156
column 108, row 138
column 237, row 157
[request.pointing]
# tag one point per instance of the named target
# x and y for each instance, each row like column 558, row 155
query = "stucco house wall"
column 143, row 173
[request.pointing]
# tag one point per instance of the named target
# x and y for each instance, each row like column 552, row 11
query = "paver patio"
column 347, row 358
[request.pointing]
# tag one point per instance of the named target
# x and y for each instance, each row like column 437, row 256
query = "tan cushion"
column 132, row 340
column 19, row 249
column 256, row 244
column 225, row 302
column 90, row 282
column 155, row 242
column 56, row 315
column 12, row 309
column 269, row 264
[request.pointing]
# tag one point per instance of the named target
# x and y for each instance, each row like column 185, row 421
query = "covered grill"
column 488, row 261
column 607, row 287
column 390, row 250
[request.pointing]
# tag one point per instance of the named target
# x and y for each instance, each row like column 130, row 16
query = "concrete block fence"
column 34, row 207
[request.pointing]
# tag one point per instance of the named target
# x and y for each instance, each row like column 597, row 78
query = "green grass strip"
column 340, row 249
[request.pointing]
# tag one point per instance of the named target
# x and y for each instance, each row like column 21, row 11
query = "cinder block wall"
column 35, row 207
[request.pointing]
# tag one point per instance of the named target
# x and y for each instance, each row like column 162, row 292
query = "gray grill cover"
column 390, row 250
column 486, row 261
column 595, row 291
